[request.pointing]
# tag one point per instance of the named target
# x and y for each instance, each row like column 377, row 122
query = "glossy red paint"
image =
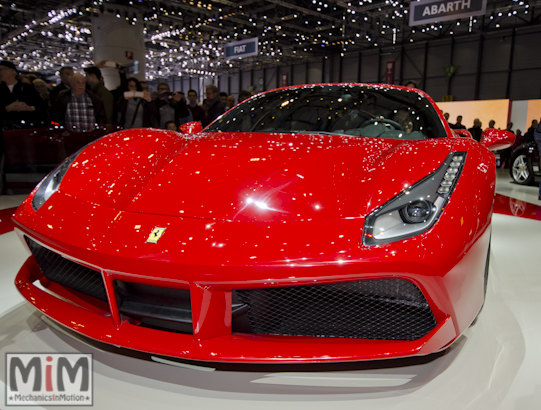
column 190, row 127
column 495, row 139
column 463, row 133
column 6, row 224
column 246, row 211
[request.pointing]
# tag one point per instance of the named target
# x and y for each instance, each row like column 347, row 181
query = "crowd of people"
column 82, row 101
column 477, row 130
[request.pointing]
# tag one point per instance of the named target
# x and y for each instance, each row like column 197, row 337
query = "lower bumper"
column 109, row 327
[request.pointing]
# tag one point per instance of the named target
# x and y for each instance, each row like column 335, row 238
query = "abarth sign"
column 430, row 11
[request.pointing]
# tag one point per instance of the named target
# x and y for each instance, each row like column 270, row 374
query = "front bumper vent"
column 155, row 306
column 150, row 306
column 389, row 309
column 67, row 273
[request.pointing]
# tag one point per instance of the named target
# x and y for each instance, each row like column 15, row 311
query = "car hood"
column 249, row 177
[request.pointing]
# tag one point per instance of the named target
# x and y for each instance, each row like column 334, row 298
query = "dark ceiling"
column 188, row 36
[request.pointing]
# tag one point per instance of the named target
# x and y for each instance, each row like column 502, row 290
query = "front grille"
column 155, row 306
column 67, row 273
column 390, row 309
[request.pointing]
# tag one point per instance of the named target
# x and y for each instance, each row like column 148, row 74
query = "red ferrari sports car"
column 315, row 223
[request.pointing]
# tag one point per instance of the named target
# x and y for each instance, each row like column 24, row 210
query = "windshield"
column 368, row 111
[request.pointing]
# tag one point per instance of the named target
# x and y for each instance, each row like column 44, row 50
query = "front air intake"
column 155, row 306
column 388, row 309
column 67, row 273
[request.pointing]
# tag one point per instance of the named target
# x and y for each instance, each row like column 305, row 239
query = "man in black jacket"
column 20, row 104
column 458, row 125
column 20, row 107
column 528, row 136
column 168, row 107
column 537, row 137
column 78, row 108
column 215, row 107
column 476, row 130
column 94, row 80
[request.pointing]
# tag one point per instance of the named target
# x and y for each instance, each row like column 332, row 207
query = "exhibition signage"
column 244, row 48
column 430, row 11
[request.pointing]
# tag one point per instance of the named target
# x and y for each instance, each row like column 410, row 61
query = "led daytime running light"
column 450, row 176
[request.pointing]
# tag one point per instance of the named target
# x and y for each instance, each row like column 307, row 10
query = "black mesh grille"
column 67, row 273
column 391, row 309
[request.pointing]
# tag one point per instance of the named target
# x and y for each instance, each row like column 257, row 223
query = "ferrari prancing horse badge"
column 156, row 235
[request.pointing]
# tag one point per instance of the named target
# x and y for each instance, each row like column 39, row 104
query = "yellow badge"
column 156, row 235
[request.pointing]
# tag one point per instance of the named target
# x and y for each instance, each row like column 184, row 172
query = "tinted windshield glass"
column 336, row 109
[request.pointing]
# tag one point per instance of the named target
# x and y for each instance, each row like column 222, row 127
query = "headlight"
column 416, row 209
column 49, row 185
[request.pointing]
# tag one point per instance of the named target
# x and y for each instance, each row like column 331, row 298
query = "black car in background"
column 525, row 166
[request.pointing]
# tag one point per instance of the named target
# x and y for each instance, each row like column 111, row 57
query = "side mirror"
column 463, row 133
column 495, row 139
column 190, row 127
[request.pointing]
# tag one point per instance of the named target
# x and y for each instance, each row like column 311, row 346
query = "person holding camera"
column 169, row 107
column 133, row 109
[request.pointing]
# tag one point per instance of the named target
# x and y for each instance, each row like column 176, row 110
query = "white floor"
column 494, row 365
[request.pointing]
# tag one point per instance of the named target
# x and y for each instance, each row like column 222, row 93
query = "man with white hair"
column 78, row 108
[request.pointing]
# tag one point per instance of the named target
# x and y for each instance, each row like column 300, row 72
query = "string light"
column 190, row 37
